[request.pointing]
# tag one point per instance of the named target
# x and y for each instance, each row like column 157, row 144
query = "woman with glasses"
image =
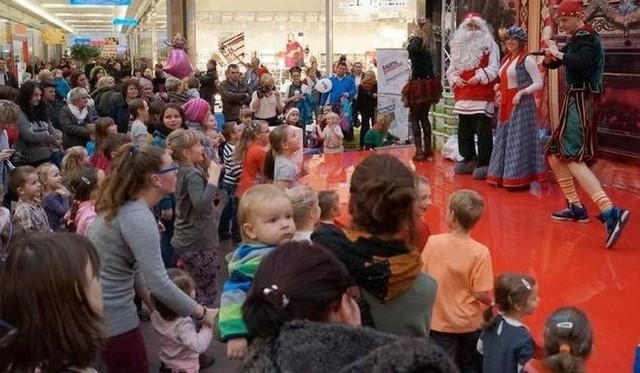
column 75, row 119
column 126, row 236
column 303, row 316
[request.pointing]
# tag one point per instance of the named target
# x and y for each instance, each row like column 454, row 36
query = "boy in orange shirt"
column 462, row 268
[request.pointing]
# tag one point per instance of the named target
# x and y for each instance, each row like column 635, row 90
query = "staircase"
column 443, row 122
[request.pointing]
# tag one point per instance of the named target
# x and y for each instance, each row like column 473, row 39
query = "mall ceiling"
column 82, row 19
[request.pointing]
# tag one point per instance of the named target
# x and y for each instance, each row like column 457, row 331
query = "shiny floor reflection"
column 568, row 260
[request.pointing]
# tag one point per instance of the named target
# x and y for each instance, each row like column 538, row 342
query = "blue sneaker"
column 614, row 220
column 572, row 213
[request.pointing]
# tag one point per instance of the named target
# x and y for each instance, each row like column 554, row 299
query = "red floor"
column 568, row 260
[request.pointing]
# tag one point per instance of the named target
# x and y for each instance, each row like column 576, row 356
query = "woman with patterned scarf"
column 397, row 297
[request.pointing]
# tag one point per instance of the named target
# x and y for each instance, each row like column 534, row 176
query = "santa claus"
column 473, row 72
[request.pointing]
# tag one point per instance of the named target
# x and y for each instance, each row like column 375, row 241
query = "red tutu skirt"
column 421, row 92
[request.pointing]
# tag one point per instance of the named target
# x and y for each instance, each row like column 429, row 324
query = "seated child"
column 306, row 211
column 379, row 135
column 180, row 341
column 265, row 219
column 462, row 268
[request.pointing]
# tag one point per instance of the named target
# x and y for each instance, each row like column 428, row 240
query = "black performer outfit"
column 423, row 90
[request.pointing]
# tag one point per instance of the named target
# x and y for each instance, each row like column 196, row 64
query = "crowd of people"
column 120, row 189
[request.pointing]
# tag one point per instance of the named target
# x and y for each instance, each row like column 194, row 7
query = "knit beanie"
column 291, row 111
column 196, row 109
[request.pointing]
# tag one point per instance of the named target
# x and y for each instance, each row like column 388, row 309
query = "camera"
column 19, row 159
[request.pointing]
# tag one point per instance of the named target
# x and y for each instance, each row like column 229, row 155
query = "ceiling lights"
column 28, row 5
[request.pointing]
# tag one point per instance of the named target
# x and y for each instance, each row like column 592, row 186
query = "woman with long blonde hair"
column 424, row 88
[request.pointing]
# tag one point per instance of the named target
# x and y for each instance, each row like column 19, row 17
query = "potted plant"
column 84, row 53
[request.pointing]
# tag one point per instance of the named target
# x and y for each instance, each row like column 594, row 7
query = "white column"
column 328, row 16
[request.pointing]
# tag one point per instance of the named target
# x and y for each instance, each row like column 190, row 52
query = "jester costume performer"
column 424, row 88
column 572, row 147
column 178, row 63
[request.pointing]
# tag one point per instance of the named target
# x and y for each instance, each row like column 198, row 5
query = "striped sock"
column 603, row 202
column 569, row 190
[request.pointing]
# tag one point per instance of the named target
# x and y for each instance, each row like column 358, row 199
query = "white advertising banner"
column 393, row 73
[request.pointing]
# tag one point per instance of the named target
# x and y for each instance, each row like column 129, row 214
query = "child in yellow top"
column 462, row 268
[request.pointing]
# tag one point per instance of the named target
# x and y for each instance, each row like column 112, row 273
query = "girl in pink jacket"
column 180, row 342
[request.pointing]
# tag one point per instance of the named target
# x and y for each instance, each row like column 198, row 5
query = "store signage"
column 82, row 41
column 372, row 4
column 125, row 22
column 54, row 36
column 101, row 2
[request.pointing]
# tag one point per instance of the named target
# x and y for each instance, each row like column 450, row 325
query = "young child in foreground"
column 265, row 217
column 180, row 342
column 568, row 340
column 462, row 268
column 505, row 343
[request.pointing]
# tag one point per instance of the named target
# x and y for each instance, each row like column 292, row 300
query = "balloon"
column 178, row 64
column 324, row 85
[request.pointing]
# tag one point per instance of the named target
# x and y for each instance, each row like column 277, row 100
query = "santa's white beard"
column 468, row 47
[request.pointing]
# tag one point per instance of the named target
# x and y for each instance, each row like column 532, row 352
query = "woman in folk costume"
column 178, row 63
column 516, row 159
column 424, row 89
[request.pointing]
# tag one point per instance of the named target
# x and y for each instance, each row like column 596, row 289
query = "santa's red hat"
column 472, row 17
column 569, row 8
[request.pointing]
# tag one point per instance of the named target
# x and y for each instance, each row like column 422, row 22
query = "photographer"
column 267, row 103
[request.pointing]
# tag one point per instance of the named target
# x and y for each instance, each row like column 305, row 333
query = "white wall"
column 355, row 31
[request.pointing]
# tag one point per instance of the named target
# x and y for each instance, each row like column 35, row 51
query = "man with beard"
column 475, row 61
column 572, row 147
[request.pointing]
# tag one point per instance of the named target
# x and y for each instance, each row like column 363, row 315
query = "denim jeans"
column 229, row 218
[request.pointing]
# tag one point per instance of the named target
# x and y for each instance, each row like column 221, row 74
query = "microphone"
column 538, row 52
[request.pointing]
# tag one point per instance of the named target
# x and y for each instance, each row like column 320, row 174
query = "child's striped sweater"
column 243, row 264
